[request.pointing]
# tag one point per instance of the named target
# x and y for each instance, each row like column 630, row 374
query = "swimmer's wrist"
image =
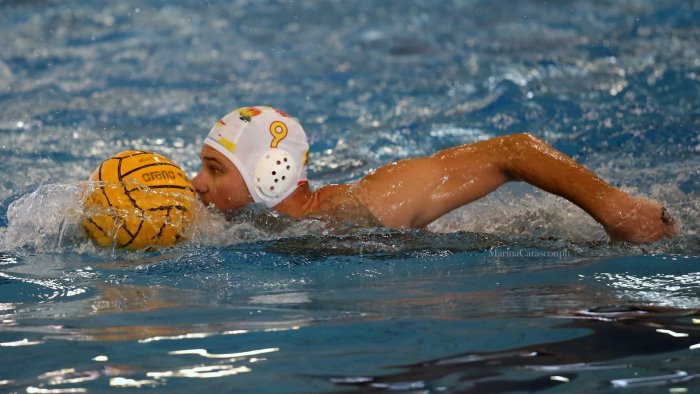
column 615, row 207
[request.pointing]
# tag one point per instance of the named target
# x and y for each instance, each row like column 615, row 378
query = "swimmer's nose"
column 199, row 185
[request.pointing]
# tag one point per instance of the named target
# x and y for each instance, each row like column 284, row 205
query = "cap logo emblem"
column 279, row 131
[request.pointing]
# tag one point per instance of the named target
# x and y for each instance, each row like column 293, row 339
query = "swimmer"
column 260, row 155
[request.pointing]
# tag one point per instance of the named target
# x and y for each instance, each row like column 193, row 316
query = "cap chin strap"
column 275, row 174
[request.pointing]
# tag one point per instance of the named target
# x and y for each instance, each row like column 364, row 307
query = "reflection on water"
column 130, row 298
column 486, row 321
column 614, row 334
column 680, row 290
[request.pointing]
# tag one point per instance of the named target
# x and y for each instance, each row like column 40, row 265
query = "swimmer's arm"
column 414, row 192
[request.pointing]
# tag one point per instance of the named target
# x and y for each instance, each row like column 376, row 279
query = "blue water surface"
column 520, row 291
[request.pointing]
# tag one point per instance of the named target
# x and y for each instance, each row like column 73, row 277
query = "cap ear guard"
column 276, row 174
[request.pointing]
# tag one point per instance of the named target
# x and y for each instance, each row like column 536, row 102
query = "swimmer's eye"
column 215, row 170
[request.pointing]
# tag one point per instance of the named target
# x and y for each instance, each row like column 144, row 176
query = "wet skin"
column 220, row 183
column 414, row 192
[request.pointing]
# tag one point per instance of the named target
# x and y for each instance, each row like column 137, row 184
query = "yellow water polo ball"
column 138, row 199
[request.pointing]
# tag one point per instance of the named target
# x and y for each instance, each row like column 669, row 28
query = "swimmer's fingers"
column 670, row 222
column 663, row 225
column 666, row 217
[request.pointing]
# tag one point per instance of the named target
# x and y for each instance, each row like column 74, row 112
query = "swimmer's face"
column 219, row 182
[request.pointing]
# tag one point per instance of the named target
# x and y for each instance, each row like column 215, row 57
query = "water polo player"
column 260, row 154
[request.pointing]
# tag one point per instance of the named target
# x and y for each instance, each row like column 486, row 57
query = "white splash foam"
column 522, row 211
column 45, row 219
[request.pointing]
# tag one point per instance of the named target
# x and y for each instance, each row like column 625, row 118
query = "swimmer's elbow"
column 523, row 140
column 517, row 151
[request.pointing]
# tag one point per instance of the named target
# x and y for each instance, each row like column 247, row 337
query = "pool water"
column 520, row 291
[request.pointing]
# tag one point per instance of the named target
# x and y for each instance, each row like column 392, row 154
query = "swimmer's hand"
column 639, row 220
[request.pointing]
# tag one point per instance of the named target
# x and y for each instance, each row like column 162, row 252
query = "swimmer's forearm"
column 531, row 160
column 624, row 217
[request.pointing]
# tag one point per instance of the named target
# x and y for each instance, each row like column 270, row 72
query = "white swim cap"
column 268, row 147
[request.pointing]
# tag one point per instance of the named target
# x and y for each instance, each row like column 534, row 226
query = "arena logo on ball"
column 158, row 176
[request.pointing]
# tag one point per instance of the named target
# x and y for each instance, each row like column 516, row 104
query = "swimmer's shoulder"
column 340, row 203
